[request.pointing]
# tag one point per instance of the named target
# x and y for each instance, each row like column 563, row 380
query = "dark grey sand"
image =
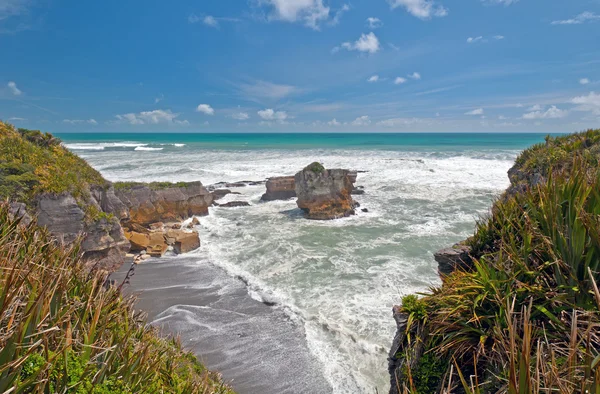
column 257, row 347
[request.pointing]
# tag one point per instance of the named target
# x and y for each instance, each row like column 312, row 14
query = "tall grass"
column 526, row 318
column 62, row 330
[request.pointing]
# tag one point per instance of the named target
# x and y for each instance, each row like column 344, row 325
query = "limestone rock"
column 220, row 193
column 280, row 188
column 234, row 204
column 450, row 259
column 147, row 205
column 324, row 194
column 187, row 242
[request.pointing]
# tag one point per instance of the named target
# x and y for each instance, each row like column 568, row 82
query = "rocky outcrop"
column 156, row 242
column 147, row 205
column 451, row 259
column 324, row 194
column 280, row 188
column 103, row 241
column 234, row 204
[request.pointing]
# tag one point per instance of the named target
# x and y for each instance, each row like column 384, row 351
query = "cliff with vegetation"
column 518, row 310
column 64, row 330
column 46, row 182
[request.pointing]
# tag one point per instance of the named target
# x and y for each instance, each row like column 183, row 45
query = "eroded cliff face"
column 147, row 205
column 66, row 218
column 280, row 188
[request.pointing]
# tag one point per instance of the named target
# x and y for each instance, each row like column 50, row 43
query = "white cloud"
column 10, row 8
column 499, row 37
column 374, row 78
column 500, row 2
column 374, row 23
column 210, row 21
column 472, row 40
column 181, row 122
column 536, row 107
column 478, row 111
column 422, row 9
column 148, row 117
column 267, row 90
column 366, row 43
column 14, row 89
column 205, row 109
column 15, row 119
column 193, row 18
column 415, row 76
column 338, row 15
column 397, row 122
column 579, row 19
column 399, row 81
column 584, row 81
column 159, row 99
column 334, row 123
column 241, row 116
column 79, row 121
column 361, row 121
column 270, row 114
column 590, row 102
column 552, row 113
column 310, row 12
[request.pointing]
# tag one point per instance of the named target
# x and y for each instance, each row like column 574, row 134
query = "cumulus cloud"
column 422, row 9
column 552, row 113
column 205, row 109
column 415, row 76
column 472, row 40
column 584, row 81
column 478, row 111
column 591, row 102
column 374, row 23
column 271, row 114
column 338, row 15
column 374, row 78
column 397, row 122
column 210, row 21
column 14, row 89
column 334, row 123
column 241, row 116
column 536, row 107
column 584, row 17
column 366, row 43
column 80, row 121
column 157, row 116
column 309, row 12
column 361, row 121
column 399, row 81
column 266, row 90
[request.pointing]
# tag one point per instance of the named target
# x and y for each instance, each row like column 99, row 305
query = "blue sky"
column 301, row 65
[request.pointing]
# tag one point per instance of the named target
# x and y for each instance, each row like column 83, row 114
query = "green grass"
column 119, row 186
column 63, row 331
column 315, row 167
column 525, row 318
column 32, row 163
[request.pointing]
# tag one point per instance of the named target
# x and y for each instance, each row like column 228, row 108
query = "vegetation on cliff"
column 525, row 317
column 62, row 329
column 32, row 162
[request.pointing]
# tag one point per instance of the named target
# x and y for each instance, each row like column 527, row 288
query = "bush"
column 63, row 330
column 315, row 167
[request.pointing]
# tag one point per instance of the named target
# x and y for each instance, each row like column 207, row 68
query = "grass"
column 315, row 167
column 525, row 318
column 62, row 330
column 32, row 163
column 119, row 186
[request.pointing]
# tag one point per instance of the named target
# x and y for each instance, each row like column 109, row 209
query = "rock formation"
column 324, row 194
column 450, row 259
column 280, row 188
column 156, row 242
column 234, row 204
column 147, row 204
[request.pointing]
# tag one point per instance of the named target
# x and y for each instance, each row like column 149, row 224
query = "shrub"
column 315, row 167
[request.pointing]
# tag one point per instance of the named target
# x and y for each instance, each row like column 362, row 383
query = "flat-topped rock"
column 324, row 194
column 280, row 188
column 450, row 259
column 234, row 204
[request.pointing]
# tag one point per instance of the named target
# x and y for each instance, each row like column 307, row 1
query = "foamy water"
column 336, row 280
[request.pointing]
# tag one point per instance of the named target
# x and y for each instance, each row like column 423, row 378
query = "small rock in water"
column 234, row 204
column 365, row 210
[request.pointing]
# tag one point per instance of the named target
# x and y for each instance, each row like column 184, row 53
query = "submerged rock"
column 234, row 204
column 280, row 188
column 324, row 194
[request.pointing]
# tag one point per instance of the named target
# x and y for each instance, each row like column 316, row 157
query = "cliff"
column 519, row 306
column 67, row 196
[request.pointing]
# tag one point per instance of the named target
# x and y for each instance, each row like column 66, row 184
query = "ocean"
column 281, row 304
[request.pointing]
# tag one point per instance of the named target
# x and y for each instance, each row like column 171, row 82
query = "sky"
column 300, row 65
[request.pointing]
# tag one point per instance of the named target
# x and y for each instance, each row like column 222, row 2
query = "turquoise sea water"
column 396, row 141
column 328, row 285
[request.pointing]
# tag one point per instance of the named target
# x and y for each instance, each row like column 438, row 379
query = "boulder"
column 139, row 241
column 234, row 204
column 157, row 226
column 186, row 242
column 220, row 193
column 450, row 259
column 147, row 204
column 280, row 188
column 324, row 194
